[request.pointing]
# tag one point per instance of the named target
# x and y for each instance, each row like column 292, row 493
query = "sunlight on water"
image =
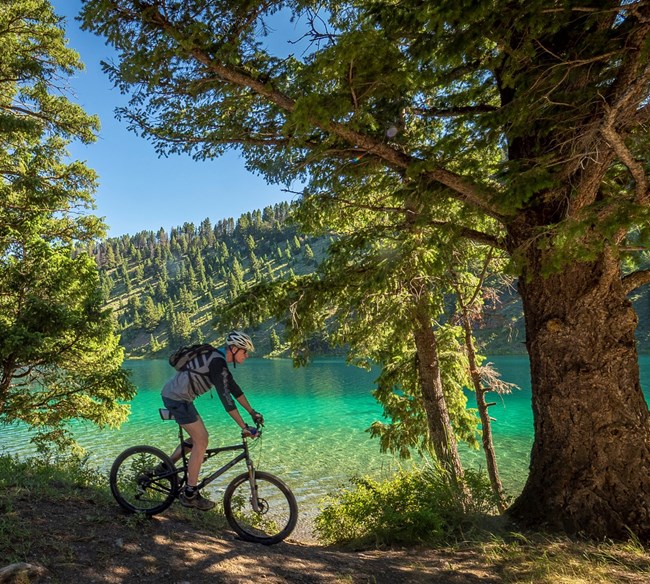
column 316, row 418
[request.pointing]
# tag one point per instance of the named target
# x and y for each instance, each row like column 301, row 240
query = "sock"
column 190, row 491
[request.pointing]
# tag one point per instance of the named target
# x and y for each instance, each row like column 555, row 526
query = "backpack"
column 183, row 355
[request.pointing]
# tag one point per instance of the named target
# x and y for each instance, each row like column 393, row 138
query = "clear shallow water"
column 314, row 436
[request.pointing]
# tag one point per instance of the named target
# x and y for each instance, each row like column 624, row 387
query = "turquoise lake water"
column 316, row 418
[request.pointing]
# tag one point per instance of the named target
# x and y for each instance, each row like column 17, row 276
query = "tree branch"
column 476, row 236
column 634, row 166
column 635, row 280
column 452, row 112
column 466, row 232
column 616, row 115
column 464, row 189
column 603, row 139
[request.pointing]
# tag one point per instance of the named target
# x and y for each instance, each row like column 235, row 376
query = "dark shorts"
column 184, row 412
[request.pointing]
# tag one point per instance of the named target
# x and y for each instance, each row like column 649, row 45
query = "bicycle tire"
column 278, row 515
column 135, row 485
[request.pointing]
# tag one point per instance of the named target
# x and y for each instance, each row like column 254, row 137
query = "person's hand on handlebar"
column 249, row 432
column 258, row 418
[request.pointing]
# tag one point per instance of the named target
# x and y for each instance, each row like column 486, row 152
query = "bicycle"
column 258, row 506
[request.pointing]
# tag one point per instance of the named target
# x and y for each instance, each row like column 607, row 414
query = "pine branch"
column 466, row 232
column 474, row 235
column 464, row 189
column 243, row 138
column 635, row 167
column 603, row 139
column 454, row 111
column 620, row 110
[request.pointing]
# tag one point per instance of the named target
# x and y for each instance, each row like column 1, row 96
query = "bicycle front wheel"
column 143, row 479
column 276, row 514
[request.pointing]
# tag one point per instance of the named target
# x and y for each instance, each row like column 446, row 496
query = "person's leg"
column 190, row 497
column 199, row 436
column 176, row 455
column 185, row 414
column 188, row 418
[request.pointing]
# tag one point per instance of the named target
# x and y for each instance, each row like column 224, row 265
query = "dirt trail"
column 82, row 541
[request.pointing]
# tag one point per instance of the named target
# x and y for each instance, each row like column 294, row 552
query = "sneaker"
column 196, row 501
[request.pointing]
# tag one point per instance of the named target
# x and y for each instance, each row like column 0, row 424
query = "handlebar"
column 250, row 432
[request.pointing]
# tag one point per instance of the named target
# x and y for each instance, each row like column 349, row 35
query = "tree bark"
column 590, row 461
column 486, row 426
column 440, row 429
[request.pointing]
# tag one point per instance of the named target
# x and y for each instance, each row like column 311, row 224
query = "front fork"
column 253, row 485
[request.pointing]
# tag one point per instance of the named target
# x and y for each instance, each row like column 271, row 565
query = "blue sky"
column 137, row 190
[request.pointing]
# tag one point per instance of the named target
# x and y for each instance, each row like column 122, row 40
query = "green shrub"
column 49, row 473
column 419, row 506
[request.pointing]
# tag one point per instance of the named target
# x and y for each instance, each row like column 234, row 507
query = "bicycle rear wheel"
column 143, row 479
column 277, row 514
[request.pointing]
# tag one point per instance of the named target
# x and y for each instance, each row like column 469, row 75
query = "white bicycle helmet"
column 240, row 340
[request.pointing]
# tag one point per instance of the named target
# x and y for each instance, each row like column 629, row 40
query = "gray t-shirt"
column 202, row 373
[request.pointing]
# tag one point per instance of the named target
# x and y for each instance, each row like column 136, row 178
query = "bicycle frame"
column 209, row 453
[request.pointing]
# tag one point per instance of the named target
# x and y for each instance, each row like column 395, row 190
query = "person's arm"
column 227, row 388
column 244, row 403
column 235, row 415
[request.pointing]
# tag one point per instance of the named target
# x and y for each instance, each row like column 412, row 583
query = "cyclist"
column 179, row 393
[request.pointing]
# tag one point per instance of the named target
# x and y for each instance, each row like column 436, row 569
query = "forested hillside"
column 164, row 287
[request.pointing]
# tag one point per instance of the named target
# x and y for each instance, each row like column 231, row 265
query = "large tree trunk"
column 590, row 462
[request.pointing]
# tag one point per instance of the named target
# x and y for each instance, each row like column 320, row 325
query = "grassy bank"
column 60, row 515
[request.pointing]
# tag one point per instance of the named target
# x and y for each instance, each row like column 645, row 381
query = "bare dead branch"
column 492, row 379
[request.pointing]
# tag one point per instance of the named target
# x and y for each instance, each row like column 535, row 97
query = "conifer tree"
column 309, row 254
column 110, row 256
column 268, row 217
column 237, row 271
column 59, row 357
column 181, row 329
column 206, row 231
column 154, row 345
column 126, row 278
column 520, row 125
column 275, row 340
column 150, row 314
